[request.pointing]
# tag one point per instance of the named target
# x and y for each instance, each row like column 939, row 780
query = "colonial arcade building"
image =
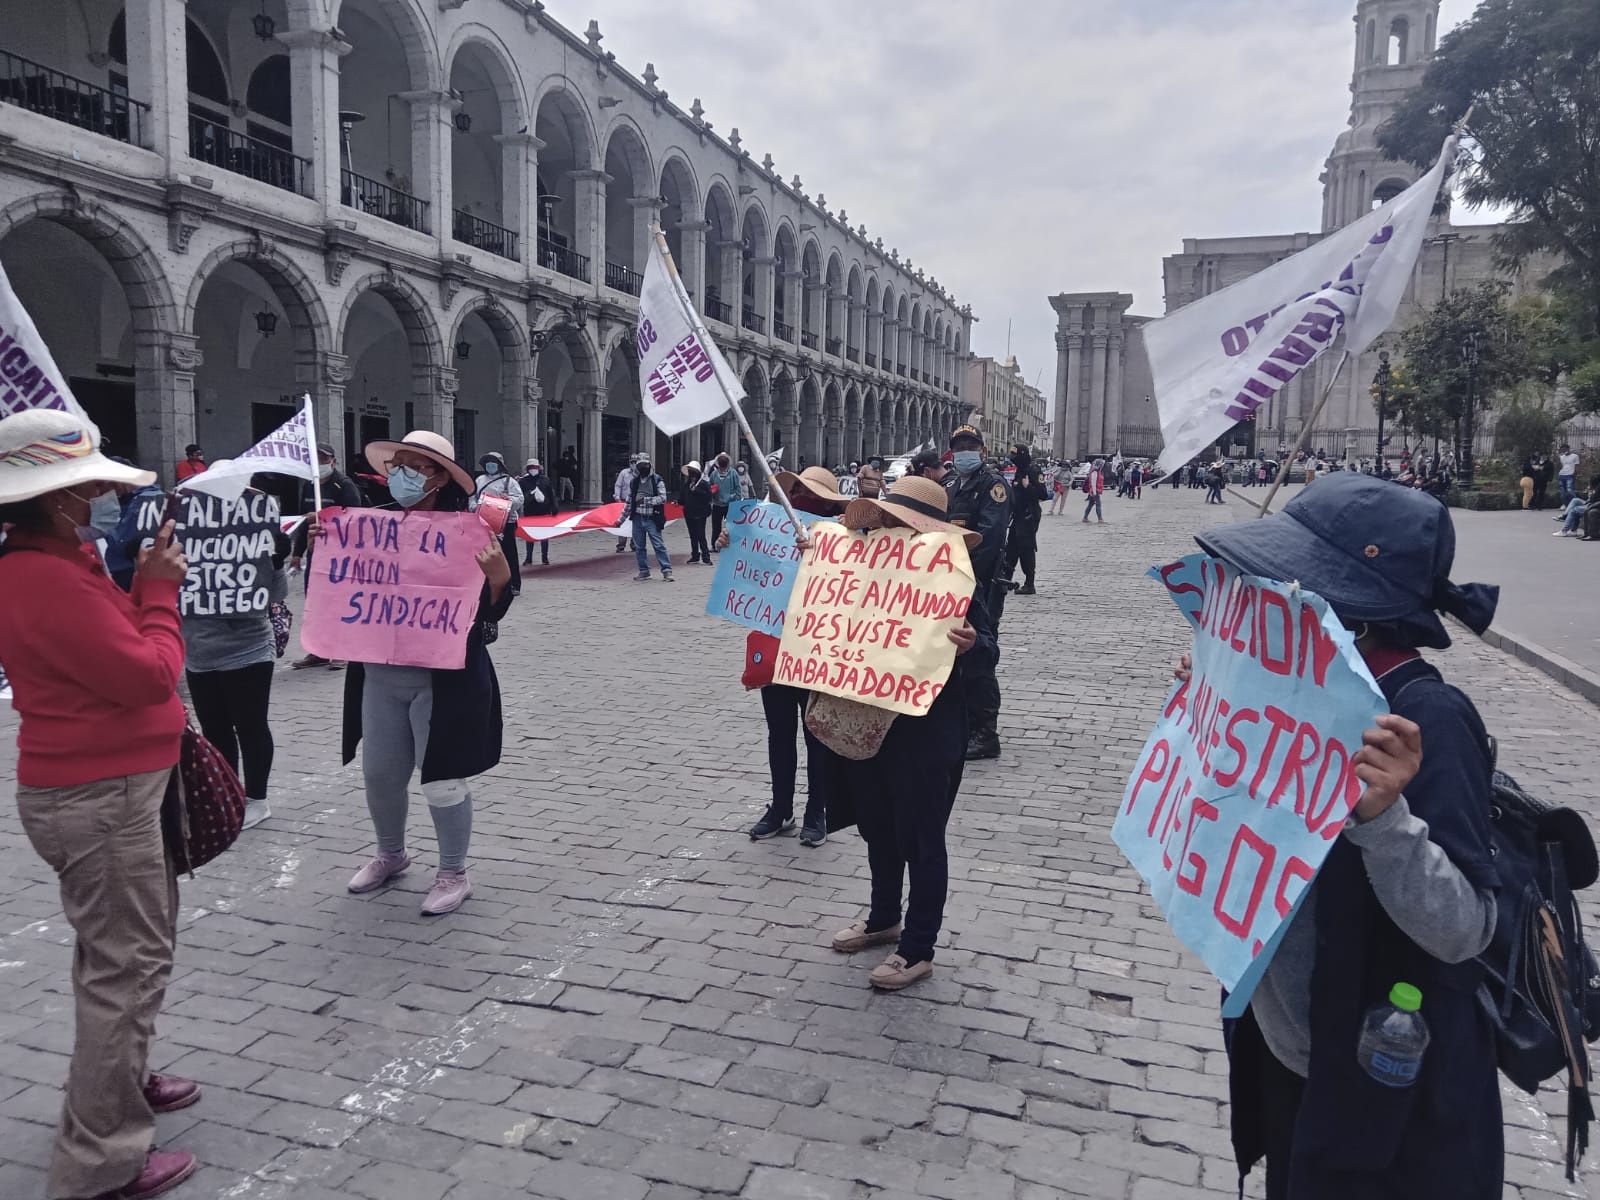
column 426, row 213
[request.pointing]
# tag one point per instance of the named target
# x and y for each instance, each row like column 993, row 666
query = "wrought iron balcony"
column 485, row 235
column 623, row 279
column 214, row 143
column 784, row 330
column 718, row 311
column 553, row 256
column 872, row 359
column 853, row 353
column 916, row 374
column 381, row 200
column 753, row 321
column 833, row 346
column 808, row 340
column 63, row 97
column 900, row 369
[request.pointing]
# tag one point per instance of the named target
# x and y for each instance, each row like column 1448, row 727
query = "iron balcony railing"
column 753, row 321
column 784, row 330
column 719, row 311
column 214, row 143
column 853, row 353
column 64, row 97
column 872, row 359
column 381, row 200
column 808, row 340
column 833, row 346
column 916, row 374
column 485, row 235
column 623, row 279
column 553, row 256
column 900, row 369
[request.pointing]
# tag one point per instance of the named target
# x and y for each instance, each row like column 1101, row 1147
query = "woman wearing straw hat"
column 901, row 797
column 95, row 675
column 446, row 721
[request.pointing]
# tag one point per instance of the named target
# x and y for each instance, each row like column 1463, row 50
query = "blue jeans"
column 644, row 527
column 1092, row 505
column 1575, row 510
column 1568, row 490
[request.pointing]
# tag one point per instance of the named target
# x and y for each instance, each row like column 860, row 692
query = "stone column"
column 891, row 343
column 591, row 488
column 730, row 281
column 1114, row 350
column 432, row 116
column 519, row 195
column 164, row 367
column 1072, row 413
column 158, row 75
column 524, row 422
column 646, row 212
column 793, row 297
column 1058, row 429
column 814, row 311
column 314, row 56
column 433, row 400
column 1097, row 391
column 693, row 266
column 589, row 221
column 765, row 281
column 325, row 377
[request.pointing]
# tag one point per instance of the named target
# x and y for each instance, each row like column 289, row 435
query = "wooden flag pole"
column 311, row 436
column 1305, row 436
column 733, row 401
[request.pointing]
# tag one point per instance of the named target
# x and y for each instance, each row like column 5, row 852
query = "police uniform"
column 1027, row 493
column 981, row 502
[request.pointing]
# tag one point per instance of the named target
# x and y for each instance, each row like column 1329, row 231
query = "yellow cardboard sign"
column 870, row 615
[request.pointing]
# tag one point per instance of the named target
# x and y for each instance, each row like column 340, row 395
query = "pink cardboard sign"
column 392, row 587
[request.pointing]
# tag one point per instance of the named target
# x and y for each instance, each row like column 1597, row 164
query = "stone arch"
column 724, row 263
column 832, row 424
column 308, row 316
column 679, row 192
column 570, row 113
column 556, row 324
column 854, row 450
column 503, row 74
column 416, row 317
column 753, row 221
column 625, row 158
column 409, row 20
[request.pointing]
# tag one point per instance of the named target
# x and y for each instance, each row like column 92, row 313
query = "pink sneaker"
column 449, row 891
column 379, row 871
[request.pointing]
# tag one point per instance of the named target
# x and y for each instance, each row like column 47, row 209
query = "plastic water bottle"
column 1393, row 1038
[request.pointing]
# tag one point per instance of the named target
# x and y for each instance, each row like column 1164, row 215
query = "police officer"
column 1028, row 493
column 980, row 502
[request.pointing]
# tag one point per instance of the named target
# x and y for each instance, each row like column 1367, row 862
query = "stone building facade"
column 1103, row 387
column 1009, row 408
column 427, row 214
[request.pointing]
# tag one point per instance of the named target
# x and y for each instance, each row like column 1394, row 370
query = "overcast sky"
column 1021, row 148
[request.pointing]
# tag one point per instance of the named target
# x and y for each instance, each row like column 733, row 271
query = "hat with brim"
column 914, row 502
column 819, row 481
column 692, row 466
column 429, row 445
column 46, row 449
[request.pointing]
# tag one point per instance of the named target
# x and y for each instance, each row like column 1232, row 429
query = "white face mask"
column 324, row 470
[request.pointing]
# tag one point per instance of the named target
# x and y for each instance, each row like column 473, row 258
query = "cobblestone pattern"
column 641, row 1003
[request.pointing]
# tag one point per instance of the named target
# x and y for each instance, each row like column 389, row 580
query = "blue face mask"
column 491, row 467
column 967, row 461
column 407, row 485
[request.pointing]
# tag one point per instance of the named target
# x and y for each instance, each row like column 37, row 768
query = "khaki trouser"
column 120, row 894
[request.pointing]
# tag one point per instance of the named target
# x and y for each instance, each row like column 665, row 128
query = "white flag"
column 683, row 379
column 1219, row 359
column 28, row 375
column 287, row 450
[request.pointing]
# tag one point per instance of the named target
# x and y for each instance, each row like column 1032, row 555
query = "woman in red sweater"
column 94, row 673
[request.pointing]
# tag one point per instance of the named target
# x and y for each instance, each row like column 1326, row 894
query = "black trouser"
column 902, row 798
column 544, row 553
column 1022, row 543
column 231, row 707
column 719, row 514
column 698, row 548
column 785, row 708
column 1214, row 494
column 982, row 688
column 1281, row 1090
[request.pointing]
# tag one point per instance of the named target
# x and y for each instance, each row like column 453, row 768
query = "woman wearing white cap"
column 95, row 677
column 447, row 722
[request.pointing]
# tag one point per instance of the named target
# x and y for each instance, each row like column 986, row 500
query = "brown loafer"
column 892, row 973
column 854, row 936
column 163, row 1171
column 168, row 1093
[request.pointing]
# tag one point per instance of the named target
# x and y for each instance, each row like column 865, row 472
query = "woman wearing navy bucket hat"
column 1407, row 892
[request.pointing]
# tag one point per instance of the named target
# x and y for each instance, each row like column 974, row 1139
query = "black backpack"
column 1542, row 981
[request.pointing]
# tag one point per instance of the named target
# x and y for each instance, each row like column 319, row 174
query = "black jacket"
column 464, row 732
column 1028, row 492
column 337, row 489
column 695, row 498
column 549, row 506
column 981, row 502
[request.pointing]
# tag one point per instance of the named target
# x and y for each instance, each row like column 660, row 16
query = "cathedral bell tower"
column 1394, row 41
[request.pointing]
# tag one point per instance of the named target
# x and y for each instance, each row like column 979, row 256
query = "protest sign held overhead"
column 870, row 616
column 396, row 588
column 683, row 379
column 1214, row 362
column 29, row 377
column 289, row 449
column 229, row 545
column 756, row 573
column 1247, row 779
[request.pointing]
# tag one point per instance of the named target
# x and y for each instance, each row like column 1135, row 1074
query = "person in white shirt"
column 1567, row 479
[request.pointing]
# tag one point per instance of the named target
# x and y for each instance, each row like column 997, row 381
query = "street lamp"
column 1381, row 382
column 1469, row 359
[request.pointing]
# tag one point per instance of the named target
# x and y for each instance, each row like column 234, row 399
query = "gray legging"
column 396, row 710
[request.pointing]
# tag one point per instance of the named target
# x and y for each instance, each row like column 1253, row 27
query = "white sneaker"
column 255, row 812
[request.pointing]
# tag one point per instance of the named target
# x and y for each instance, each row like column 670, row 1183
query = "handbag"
column 282, row 621
column 847, row 727
column 204, row 808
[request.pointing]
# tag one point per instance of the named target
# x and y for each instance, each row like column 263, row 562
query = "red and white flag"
column 607, row 518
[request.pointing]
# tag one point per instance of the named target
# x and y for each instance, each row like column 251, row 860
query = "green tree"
column 1529, row 71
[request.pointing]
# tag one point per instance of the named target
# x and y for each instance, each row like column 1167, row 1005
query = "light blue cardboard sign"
column 755, row 574
column 1247, row 778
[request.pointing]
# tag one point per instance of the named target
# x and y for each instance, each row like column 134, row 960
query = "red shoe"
column 168, row 1093
column 163, row 1171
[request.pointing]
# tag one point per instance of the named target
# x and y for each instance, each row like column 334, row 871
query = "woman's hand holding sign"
column 1387, row 762
column 965, row 638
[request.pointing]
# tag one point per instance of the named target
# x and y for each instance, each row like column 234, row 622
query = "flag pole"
column 311, row 436
column 1305, row 436
column 738, row 412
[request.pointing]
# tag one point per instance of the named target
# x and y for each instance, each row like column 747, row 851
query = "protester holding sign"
column 95, row 672
column 447, row 719
column 897, row 775
column 1407, row 891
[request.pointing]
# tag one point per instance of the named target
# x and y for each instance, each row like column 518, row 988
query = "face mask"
column 324, row 470
column 407, row 485
column 643, row 468
column 86, row 533
column 105, row 510
column 967, row 461
column 722, row 464
column 491, row 467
